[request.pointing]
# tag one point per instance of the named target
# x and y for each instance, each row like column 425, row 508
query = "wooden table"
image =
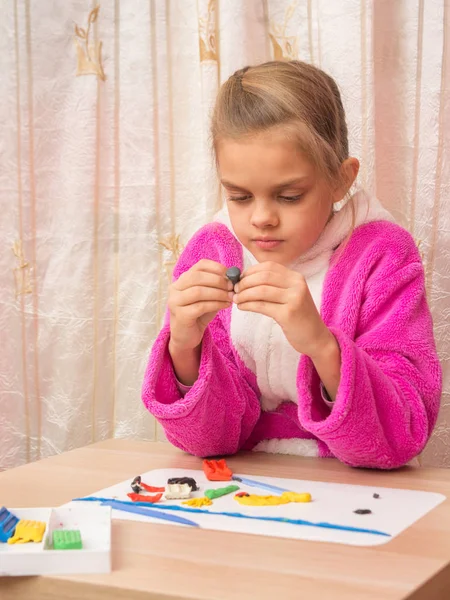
column 152, row 561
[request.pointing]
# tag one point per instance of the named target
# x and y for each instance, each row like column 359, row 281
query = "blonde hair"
column 301, row 98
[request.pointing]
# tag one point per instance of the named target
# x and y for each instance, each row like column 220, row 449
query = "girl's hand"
column 194, row 300
column 273, row 290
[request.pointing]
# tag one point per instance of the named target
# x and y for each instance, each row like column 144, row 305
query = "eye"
column 291, row 198
column 239, row 198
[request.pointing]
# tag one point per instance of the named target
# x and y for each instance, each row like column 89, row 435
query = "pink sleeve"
column 217, row 414
column 388, row 399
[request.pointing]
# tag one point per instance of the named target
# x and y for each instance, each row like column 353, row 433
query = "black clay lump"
column 233, row 274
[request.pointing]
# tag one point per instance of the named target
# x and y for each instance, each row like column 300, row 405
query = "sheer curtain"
column 106, row 171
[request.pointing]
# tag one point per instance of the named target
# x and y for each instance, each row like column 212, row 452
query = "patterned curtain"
column 106, row 171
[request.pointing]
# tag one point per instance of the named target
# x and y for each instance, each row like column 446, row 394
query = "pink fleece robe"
column 374, row 302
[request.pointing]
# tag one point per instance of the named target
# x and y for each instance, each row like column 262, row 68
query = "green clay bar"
column 65, row 539
column 213, row 494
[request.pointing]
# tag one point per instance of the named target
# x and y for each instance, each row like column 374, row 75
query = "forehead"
column 266, row 157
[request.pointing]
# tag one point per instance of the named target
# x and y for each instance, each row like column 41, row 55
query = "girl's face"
column 278, row 205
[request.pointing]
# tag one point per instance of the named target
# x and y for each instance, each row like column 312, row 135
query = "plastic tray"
column 94, row 524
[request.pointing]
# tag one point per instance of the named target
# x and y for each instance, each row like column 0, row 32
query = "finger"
column 265, row 266
column 202, row 278
column 273, row 278
column 210, row 266
column 266, row 293
column 202, row 308
column 269, row 309
column 198, row 293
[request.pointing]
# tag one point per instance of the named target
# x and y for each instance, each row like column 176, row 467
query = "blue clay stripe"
column 259, row 484
column 133, row 507
column 236, row 515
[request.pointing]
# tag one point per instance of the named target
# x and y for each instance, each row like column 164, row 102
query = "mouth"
column 267, row 243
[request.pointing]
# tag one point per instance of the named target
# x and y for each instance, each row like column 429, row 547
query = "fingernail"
column 236, row 288
column 230, row 285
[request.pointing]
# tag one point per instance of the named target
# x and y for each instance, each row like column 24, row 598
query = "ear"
column 348, row 173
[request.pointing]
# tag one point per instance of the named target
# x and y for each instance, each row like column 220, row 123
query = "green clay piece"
column 65, row 539
column 213, row 494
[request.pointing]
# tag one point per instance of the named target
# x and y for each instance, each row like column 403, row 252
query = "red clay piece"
column 217, row 470
column 242, row 494
column 150, row 488
column 141, row 498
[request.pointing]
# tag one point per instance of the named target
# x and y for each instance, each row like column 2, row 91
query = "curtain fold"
column 106, row 171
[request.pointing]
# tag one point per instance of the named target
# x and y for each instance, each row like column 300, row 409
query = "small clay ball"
column 233, row 274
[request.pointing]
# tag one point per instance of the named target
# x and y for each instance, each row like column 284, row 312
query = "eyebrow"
column 280, row 186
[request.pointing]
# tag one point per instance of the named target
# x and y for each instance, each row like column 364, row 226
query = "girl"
column 325, row 347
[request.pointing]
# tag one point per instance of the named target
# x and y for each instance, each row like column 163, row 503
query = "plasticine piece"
column 259, row 484
column 189, row 480
column 8, row 523
column 285, row 498
column 151, row 488
column 142, row 498
column 217, row 470
column 28, row 531
column 136, row 484
column 198, row 502
column 296, row 497
column 362, row 511
column 67, row 539
column 150, row 512
column 376, row 496
column 242, row 495
column 233, row 274
column 213, row 494
column 177, row 491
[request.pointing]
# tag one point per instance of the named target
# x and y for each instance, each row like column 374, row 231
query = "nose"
column 264, row 214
